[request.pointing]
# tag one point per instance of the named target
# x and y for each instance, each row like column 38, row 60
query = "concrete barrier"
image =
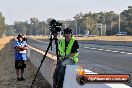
column 48, row 65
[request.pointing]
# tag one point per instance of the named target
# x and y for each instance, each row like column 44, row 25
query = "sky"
column 22, row 10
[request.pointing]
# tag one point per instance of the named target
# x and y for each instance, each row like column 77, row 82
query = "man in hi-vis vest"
column 68, row 52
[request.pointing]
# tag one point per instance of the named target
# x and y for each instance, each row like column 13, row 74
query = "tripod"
column 50, row 44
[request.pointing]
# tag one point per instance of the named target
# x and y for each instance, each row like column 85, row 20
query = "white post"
column 101, row 31
column 45, row 31
column 76, row 27
column 100, row 28
column 119, row 22
column 79, row 30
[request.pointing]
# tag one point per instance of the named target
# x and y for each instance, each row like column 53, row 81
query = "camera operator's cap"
column 67, row 30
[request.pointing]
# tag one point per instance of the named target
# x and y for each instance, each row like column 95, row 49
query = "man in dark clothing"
column 68, row 52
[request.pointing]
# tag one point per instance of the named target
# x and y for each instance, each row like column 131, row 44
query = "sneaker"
column 22, row 79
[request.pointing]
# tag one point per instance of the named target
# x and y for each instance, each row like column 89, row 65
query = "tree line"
column 81, row 24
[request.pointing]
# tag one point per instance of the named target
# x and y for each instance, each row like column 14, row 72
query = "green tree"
column 89, row 23
column 20, row 27
column 126, row 24
column 10, row 30
column 2, row 25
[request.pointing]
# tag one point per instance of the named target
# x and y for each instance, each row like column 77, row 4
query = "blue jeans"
column 58, row 76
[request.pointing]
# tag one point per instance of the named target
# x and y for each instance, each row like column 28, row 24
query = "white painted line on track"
column 128, row 53
column 115, row 51
column 93, row 48
column 100, row 49
column 122, row 52
column 87, row 47
column 108, row 50
column 118, row 86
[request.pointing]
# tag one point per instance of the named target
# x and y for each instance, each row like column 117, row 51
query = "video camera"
column 55, row 26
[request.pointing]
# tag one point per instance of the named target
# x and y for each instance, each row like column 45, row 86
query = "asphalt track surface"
column 99, row 58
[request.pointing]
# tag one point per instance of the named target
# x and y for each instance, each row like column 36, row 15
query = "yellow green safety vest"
column 68, row 50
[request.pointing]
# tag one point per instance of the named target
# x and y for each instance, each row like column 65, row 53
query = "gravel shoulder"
column 8, row 75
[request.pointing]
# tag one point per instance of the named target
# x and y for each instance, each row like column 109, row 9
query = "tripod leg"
column 50, row 43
